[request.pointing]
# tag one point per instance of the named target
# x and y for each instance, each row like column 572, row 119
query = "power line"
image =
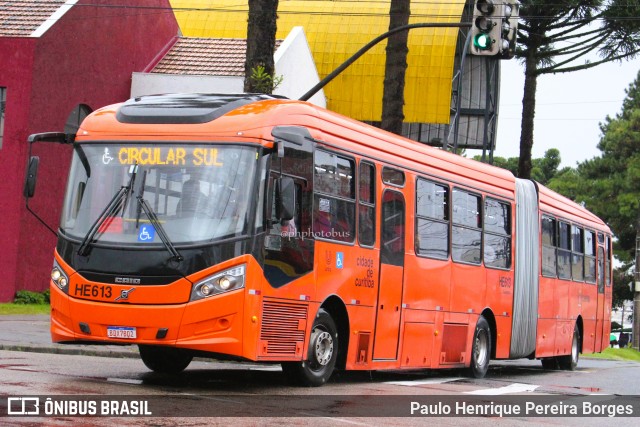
column 243, row 7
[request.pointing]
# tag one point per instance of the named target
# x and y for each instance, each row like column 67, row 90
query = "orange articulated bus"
column 264, row 229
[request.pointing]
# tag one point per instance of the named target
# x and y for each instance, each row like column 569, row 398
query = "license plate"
column 121, row 332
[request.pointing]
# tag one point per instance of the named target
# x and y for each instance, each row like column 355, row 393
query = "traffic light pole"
column 371, row 44
column 635, row 324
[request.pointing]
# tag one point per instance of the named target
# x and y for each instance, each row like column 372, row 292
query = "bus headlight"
column 228, row 280
column 59, row 278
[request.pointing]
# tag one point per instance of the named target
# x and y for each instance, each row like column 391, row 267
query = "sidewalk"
column 31, row 333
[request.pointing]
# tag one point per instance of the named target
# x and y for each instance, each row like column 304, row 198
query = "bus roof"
column 199, row 117
column 564, row 208
column 251, row 118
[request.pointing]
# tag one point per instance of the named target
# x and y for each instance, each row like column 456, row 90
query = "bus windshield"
column 198, row 193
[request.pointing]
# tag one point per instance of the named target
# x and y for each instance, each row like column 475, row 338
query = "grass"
column 11, row 308
column 616, row 354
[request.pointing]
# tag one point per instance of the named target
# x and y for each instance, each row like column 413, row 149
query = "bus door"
column 602, row 265
column 388, row 310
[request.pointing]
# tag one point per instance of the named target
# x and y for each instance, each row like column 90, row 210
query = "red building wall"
column 15, row 75
column 87, row 57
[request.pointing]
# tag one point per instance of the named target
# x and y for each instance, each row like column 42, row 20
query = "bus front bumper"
column 211, row 325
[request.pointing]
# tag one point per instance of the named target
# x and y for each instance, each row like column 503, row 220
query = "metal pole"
column 453, row 127
column 635, row 324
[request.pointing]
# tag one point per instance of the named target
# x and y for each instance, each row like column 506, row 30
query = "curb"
column 115, row 353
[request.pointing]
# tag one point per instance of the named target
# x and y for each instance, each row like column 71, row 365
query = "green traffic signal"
column 482, row 41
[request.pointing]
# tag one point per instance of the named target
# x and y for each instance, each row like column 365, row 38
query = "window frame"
column 466, row 227
column 577, row 253
column 425, row 217
column 485, row 232
column 590, row 256
column 340, row 198
column 398, row 172
column 608, row 255
column 393, row 256
column 367, row 204
column 553, row 246
column 562, row 250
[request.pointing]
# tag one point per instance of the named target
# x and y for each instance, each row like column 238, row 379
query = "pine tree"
column 261, row 41
column 557, row 37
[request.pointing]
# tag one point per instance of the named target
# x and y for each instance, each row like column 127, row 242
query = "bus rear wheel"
column 321, row 355
column 165, row 360
column 481, row 349
column 570, row 362
column 550, row 363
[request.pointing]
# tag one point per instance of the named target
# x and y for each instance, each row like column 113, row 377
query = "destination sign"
column 171, row 156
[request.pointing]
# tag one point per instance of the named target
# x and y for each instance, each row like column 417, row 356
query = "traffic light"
column 485, row 31
column 509, row 28
column 494, row 28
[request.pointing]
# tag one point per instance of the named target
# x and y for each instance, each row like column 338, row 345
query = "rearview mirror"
column 285, row 198
column 32, row 174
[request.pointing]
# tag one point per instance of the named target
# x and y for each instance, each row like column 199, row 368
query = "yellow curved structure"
column 337, row 29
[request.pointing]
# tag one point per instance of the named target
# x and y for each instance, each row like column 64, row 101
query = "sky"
column 569, row 108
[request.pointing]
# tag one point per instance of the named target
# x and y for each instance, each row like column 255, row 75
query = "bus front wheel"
column 165, row 360
column 321, row 355
column 481, row 349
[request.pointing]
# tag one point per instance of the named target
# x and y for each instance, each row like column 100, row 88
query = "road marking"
column 511, row 388
column 265, row 368
column 341, row 420
column 124, row 381
column 424, row 382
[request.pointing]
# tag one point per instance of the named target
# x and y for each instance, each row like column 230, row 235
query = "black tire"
column 481, row 349
column 550, row 363
column 165, row 360
column 321, row 355
column 570, row 362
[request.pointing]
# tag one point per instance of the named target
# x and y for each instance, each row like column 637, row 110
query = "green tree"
column 544, row 169
column 621, row 291
column 609, row 185
column 261, row 41
column 556, row 36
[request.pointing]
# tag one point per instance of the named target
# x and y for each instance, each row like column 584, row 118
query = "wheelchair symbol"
column 339, row 259
column 147, row 233
column 106, row 157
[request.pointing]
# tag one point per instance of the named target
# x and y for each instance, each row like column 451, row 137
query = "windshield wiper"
column 140, row 194
column 133, row 170
column 119, row 201
column 114, row 206
column 153, row 218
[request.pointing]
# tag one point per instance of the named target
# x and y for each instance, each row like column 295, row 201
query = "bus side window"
column 289, row 228
column 601, row 267
column 564, row 250
column 393, row 225
column 466, row 231
column 334, row 201
column 432, row 219
column 549, row 244
column 577, row 256
column 366, row 204
column 497, row 234
column 589, row 257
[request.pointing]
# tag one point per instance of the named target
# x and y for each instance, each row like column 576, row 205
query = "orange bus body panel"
column 426, row 320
